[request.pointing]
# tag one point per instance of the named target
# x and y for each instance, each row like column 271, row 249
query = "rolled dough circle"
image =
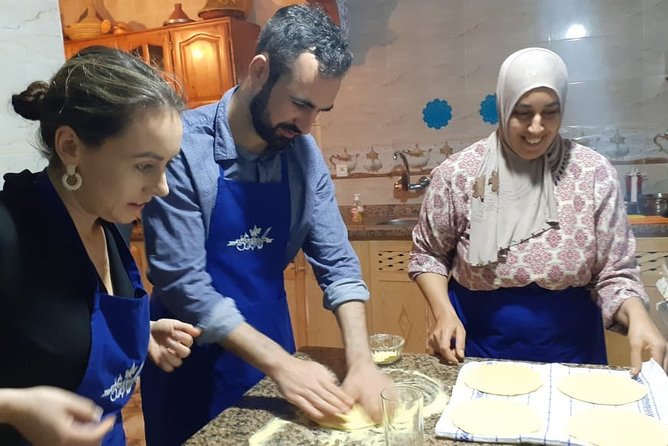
column 503, row 378
column 495, row 417
column 609, row 427
column 602, row 388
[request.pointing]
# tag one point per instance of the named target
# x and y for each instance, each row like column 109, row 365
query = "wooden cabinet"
column 396, row 305
column 312, row 324
column 207, row 58
column 138, row 252
column 651, row 253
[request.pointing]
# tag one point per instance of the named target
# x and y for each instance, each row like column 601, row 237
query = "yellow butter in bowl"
column 386, row 348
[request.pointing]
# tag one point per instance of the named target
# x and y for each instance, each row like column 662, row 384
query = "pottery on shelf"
column 89, row 24
column 178, row 16
column 226, row 8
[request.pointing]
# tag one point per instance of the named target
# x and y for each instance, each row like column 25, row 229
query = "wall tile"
column 31, row 44
column 421, row 49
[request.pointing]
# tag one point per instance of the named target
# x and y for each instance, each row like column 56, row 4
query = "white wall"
column 31, row 48
column 408, row 52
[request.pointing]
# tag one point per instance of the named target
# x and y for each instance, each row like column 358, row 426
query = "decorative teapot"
column 618, row 147
column 344, row 158
column 586, row 140
column 373, row 163
column 656, row 139
column 446, row 150
column 417, row 158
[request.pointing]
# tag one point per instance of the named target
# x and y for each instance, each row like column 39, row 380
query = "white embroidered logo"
column 253, row 241
column 122, row 386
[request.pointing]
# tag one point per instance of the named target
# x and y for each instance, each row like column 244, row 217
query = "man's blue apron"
column 246, row 247
column 531, row 323
column 120, row 331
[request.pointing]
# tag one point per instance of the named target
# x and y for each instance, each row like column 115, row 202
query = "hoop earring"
column 69, row 173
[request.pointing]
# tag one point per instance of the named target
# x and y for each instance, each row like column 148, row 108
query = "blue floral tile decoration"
column 488, row 109
column 437, row 113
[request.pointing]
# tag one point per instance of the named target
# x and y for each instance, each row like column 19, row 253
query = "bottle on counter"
column 357, row 210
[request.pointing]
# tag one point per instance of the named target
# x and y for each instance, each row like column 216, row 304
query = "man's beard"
column 262, row 123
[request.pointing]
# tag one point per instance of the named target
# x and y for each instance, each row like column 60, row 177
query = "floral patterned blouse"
column 592, row 247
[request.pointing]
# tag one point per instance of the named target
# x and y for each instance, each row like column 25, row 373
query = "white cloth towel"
column 554, row 407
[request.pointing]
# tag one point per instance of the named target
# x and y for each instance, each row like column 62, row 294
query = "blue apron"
column 246, row 247
column 531, row 323
column 120, row 331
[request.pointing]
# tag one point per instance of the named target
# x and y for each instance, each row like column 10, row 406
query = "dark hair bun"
column 28, row 103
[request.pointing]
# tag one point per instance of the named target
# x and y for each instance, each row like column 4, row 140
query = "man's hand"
column 170, row 342
column 364, row 382
column 48, row 416
column 311, row 387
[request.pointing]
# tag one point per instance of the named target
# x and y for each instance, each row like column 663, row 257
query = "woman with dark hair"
column 523, row 248
column 73, row 314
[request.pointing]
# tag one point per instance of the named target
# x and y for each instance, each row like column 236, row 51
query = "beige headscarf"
column 514, row 198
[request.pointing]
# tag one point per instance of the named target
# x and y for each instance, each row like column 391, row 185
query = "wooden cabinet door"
column 651, row 253
column 203, row 62
column 322, row 327
column 152, row 47
column 139, row 255
column 294, row 278
column 397, row 305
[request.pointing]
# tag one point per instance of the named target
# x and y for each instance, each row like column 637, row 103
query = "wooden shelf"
column 639, row 161
column 390, row 174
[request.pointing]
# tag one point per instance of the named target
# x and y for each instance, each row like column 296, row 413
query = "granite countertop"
column 370, row 229
column 263, row 403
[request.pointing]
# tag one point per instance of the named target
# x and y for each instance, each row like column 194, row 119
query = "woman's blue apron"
column 246, row 248
column 120, row 331
column 531, row 323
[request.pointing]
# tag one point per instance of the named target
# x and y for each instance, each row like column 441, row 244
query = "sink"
column 400, row 221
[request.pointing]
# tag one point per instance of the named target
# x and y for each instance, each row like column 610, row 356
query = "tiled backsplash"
column 413, row 53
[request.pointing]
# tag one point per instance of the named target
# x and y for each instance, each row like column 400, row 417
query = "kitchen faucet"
column 404, row 181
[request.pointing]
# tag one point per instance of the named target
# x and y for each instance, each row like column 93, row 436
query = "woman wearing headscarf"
column 523, row 249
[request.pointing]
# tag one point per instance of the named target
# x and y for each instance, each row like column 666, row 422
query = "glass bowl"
column 386, row 348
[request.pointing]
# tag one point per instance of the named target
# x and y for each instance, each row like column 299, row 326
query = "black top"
column 47, row 285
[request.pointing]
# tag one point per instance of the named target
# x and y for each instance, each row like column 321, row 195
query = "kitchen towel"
column 554, row 407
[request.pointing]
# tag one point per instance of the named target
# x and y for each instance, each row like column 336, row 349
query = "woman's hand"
column 55, row 417
column 642, row 334
column 448, row 338
column 170, row 342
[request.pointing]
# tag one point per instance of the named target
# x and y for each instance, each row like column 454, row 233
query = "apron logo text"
column 253, row 241
column 123, row 386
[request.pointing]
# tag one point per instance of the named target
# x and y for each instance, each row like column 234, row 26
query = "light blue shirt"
column 176, row 227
